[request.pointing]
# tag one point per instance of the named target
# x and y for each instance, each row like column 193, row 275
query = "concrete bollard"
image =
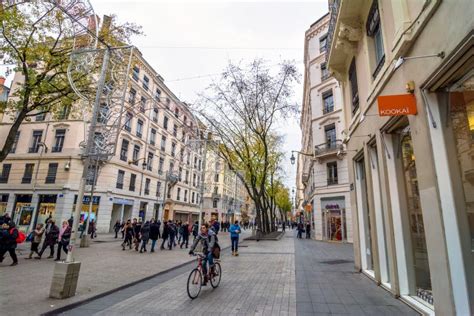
column 65, row 277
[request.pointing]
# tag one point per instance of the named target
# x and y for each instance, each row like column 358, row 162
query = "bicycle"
column 196, row 277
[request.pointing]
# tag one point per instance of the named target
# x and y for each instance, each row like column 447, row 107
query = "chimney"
column 2, row 80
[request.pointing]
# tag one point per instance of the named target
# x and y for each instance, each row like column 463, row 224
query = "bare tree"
column 242, row 109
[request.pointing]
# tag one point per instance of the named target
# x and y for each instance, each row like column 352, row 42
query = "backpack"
column 21, row 236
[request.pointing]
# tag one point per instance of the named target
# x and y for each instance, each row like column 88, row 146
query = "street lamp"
column 293, row 159
column 402, row 59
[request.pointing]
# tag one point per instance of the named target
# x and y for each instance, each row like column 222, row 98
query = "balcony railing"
column 329, row 147
column 334, row 10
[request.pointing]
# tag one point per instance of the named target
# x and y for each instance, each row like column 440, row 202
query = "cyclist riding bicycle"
column 208, row 240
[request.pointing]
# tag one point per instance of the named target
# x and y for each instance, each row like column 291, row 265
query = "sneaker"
column 14, row 264
column 152, row 250
column 50, row 257
column 141, row 251
column 236, row 254
column 38, row 257
column 57, row 259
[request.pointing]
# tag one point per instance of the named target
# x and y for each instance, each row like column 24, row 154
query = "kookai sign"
column 397, row 105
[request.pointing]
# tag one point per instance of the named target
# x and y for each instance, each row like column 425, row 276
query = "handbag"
column 30, row 237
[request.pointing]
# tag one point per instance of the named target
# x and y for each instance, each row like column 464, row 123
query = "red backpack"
column 21, row 236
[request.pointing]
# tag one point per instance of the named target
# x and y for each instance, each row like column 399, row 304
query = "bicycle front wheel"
column 216, row 276
column 194, row 283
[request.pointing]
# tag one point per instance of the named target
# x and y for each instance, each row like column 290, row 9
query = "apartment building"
column 324, row 175
column 41, row 175
column 225, row 196
column 406, row 74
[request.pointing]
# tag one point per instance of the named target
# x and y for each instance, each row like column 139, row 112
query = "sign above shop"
column 397, row 105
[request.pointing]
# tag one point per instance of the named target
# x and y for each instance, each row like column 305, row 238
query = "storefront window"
column 85, row 207
column 420, row 262
column 462, row 120
column 46, row 208
column 334, row 217
column 3, row 203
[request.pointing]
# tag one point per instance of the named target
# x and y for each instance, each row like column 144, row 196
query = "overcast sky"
column 187, row 39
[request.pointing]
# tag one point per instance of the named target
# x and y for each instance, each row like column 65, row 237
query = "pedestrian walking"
column 195, row 230
column 137, row 226
column 122, row 225
column 300, row 230
column 117, row 228
column 64, row 238
column 5, row 219
column 185, row 235
column 171, row 235
column 92, row 229
column 166, row 234
column 154, row 233
column 235, row 231
column 159, row 228
column 308, row 230
column 8, row 236
column 145, row 235
column 51, row 238
column 37, row 236
column 283, row 226
column 128, row 232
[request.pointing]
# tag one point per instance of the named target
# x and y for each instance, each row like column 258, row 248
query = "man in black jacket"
column 8, row 236
column 154, row 233
column 52, row 234
column 185, row 235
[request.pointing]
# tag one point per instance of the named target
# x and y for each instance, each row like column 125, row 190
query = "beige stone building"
column 225, row 196
column 412, row 175
column 40, row 177
column 324, row 174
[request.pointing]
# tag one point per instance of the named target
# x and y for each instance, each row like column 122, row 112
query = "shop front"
column 334, row 221
column 121, row 211
column 3, row 203
column 22, row 201
column 46, row 208
column 86, row 201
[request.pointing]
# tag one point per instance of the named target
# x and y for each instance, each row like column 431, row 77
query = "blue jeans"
column 208, row 259
column 153, row 243
column 235, row 243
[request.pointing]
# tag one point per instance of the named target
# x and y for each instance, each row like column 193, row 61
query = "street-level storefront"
column 334, row 219
column 86, row 206
column 46, row 208
column 121, row 211
column 3, row 203
column 22, row 202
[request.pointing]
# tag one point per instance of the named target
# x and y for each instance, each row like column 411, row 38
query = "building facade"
column 411, row 175
column 324, row 175
column 225, row 196
column 41, row 175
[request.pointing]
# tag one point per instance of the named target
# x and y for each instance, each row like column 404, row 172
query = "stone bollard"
column 65, row 277
column 85, row 241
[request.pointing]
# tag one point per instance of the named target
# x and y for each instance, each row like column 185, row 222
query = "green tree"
column 38, row 38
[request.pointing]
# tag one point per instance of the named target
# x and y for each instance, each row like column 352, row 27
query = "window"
column 181, row 154
column 37, row 135
column 199, row 165
column 185, row 195
column 59, row 140
column 139, row 128
column 124, row 150
column 197, row 198
column 133, row 179
column 173, row 149
column 165, row 122
column 195, row 162
column 158, row 189
column 214, row 203
column 120, row 177
column 149, row 163
column 194, row 179
column 91, row 178
column 154, row 115
column 168, row 101
column 188, row 158
column 147, row 186
column 136, row 154
column 15, row 143
column 216, row 177
column 171, row 166
column 160, row 166
column 5, row 173
column 40, row 117
column 192, row 197
column 176, row 112
column 135, row 73
column 128, row 121
column 354, row 87
column 157, row 94
column 332, row 172
column 323, row 43
column 175, row 130
column 152, row 136
column 330, row 132
column 178, row 194
column 180, row 174
column 324, row 71
column 328, row 102
column 142, row 104
column 52, row 170
column 28, row 174
column 65, row 111
column 168, row 194
column 131, row 96
column 374, row 30
column 146, row 82
column 216, row 190
column 185, row 120
column 103, row 113
column 186, row 180
column 163, row 143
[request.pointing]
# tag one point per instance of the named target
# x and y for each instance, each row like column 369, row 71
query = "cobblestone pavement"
column 286, row 277
column 326, row 283
column 104, row 266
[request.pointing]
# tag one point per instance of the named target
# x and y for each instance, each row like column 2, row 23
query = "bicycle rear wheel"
column 216, row 276
column 194, row 283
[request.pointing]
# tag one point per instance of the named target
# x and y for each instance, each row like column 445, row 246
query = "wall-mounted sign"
column 397, row 105
column 308, row 208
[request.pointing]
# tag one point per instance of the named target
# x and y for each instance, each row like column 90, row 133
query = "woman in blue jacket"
column 234, row 237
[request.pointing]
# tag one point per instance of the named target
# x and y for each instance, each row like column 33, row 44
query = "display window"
column 85, row 207
column 3, row 203
column 46, row 208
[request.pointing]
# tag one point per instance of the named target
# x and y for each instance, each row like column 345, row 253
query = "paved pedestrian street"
column 285, row 277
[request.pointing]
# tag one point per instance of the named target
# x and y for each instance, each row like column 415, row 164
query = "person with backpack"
column 9, row 236
column 37, row 236
column 235, row 231
column 63, row 238
column 51, row 237
column 208, row 240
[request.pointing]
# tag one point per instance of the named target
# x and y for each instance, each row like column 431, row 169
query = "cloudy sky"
column 189, row 42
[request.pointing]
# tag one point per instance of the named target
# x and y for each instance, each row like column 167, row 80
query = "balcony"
column 329, row 149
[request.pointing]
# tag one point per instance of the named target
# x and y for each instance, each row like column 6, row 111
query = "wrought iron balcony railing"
column 334, row 10
column 329, row 147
